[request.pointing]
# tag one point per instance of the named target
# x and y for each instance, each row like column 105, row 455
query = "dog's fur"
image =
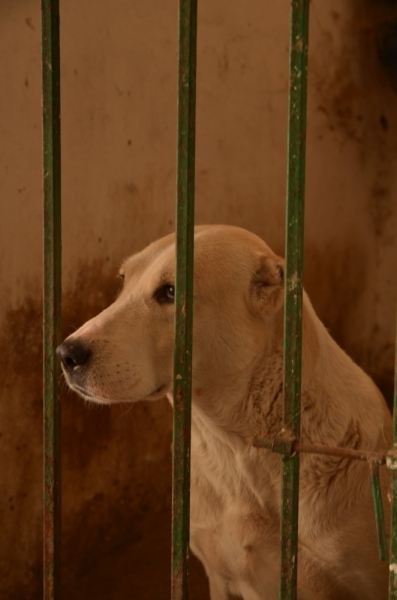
column 237, row 395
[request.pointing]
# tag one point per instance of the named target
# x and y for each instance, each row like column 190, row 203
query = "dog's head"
column 126, row 352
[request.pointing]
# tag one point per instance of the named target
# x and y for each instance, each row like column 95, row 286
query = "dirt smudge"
column 116, row 462
column 352, row 90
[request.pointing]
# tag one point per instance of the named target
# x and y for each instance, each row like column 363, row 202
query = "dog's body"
column 126, row 354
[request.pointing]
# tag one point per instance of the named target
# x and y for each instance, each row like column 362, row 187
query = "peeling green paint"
column 52, row 297
column 184, row 298
column 293, row 292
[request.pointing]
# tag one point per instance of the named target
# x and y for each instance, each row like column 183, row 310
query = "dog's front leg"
column 219, row 588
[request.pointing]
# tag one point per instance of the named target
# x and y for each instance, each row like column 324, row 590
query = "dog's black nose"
column 73, row 354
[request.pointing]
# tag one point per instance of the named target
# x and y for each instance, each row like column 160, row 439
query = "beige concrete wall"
column 118, row 183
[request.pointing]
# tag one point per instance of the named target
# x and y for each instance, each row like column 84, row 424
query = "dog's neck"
column 250, row 406
column 246, row 406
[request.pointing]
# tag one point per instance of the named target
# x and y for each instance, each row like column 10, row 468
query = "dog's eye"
column 121, row 276
column 165, row 294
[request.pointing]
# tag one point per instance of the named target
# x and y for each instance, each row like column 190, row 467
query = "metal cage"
column 288, row 444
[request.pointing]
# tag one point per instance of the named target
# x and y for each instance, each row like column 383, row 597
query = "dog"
column 125, row 354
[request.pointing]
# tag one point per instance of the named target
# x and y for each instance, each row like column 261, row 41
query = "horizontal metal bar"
column 287, row 446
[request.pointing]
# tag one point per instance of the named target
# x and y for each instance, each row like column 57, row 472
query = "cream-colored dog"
column 126, row 354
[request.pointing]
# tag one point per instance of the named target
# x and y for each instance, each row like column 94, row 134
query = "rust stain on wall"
column 356, row 104
column 116, row 461
column 354, row 93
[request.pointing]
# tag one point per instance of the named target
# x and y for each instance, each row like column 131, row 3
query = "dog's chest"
column 233, row 522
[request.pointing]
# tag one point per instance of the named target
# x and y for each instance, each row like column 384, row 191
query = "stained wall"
column 118, row 63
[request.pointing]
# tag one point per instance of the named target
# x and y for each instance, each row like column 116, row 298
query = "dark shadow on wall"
column 116, row 461
column 352, row 86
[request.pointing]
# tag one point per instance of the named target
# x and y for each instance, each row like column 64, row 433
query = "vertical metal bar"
column 393, row 514
column 378, row 510
column 52, row 296
column 293, row 291
column 184, row 298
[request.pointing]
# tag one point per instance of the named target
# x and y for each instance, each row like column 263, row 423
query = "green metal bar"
column 184, row 298
column 378, row 510
column 392, row 465
column 52, row 297
column 293, row 291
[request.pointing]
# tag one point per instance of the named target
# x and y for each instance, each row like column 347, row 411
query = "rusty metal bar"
column 288, row 446
column 293, row 292
column 52, row 297
column 184, row 298
column 392, row 465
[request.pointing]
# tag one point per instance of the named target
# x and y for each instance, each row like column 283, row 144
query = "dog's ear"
column 267, row 288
